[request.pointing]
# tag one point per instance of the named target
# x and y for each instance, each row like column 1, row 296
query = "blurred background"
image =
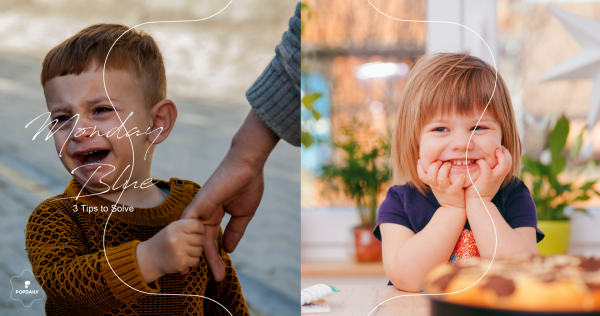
column 210, row 65
column 355, row 62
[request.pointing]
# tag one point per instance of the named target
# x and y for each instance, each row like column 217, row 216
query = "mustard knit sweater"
column 65, row 248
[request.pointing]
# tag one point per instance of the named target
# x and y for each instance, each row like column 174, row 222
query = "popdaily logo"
column 26, row 288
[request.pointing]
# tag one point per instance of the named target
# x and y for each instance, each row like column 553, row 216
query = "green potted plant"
column 552, row 195
column 361, row 175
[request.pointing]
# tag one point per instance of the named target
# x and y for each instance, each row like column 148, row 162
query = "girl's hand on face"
column 489, row 180
column 448, row 194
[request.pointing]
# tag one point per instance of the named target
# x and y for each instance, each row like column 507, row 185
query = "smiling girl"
column 446, row 153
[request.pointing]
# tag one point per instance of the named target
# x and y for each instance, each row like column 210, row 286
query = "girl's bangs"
column 461, row 92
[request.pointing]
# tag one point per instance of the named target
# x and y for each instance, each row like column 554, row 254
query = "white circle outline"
column 466, row 153
column 133, row 162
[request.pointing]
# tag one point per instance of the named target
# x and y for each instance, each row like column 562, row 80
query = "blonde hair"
column 447, row 83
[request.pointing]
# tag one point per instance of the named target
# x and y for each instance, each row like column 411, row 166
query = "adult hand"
column 236, row 187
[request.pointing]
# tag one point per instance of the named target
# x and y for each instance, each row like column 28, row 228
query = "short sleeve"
column 392, row 211
column 520, row 210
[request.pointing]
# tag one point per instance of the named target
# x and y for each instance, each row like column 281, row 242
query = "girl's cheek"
column 427, row 165
column 426, row 161
column 428, row 154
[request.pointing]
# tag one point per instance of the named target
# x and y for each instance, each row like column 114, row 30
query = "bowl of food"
column 554, row 285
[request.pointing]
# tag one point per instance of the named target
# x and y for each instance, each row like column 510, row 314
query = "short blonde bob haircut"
column 443, row 84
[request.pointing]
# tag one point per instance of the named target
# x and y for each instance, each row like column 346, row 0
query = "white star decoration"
column 584, row 65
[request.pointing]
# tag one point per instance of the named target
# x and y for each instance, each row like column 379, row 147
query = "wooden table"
column 360, row 300
column 341, row 268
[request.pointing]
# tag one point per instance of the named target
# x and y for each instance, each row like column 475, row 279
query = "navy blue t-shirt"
column 406, row 206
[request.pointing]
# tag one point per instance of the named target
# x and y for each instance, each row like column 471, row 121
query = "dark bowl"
column 442, row 308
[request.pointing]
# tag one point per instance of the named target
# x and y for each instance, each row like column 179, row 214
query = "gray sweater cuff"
column 275, row 96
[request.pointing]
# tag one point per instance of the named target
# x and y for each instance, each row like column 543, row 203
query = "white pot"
column 326, row 233
column 585, row 233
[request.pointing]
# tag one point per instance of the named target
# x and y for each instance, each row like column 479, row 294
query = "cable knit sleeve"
column 227, row 292
column 76, row 280
column 275, row 96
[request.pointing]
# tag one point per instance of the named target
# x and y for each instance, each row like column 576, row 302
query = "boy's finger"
column 196, row 240
column 212, row 255
column 442, row 178
column 193, row 226
column 184, row 271
column 195, row 252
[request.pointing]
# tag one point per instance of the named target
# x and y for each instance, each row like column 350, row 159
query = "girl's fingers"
column 421, row 172
column 432, row 173
column 499, row 169
column 443, row 178
column 458, row 183
column 504, row 162
column 485, row 168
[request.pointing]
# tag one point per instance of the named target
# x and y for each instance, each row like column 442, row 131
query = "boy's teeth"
column 91, row 152
column 89, row 163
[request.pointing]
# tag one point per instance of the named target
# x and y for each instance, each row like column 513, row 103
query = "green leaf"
column 309, row 99
column 563, row 188
column 582, row 198
column 316, row 114
column 577, row 145
column 361, row 174
column 530, row 166
column 558, row 165
column 553, row 181
column 588, row 185
column 558, row 137
column 306, row 139
column 304, row 6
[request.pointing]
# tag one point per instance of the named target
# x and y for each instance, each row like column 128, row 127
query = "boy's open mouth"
column 91, row 157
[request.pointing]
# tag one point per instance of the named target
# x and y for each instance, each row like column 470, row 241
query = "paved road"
column 268, row 258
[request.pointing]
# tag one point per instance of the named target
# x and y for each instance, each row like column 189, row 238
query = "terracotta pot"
column 368, row 248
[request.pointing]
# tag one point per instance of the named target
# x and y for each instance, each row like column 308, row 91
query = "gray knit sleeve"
column 275, row 95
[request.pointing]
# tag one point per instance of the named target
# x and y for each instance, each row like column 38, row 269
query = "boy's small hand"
column 448, row 194
column 174, row 249
column 489, row 180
